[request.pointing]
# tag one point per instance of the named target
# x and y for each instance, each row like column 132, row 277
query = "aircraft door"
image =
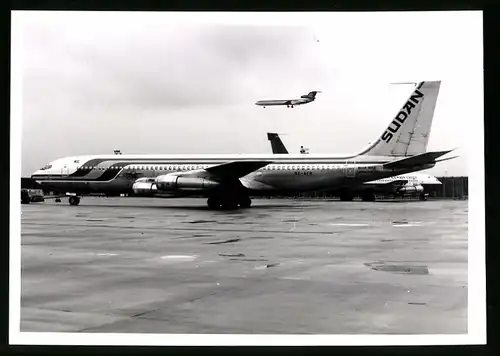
column 65, row 170
column 350, row 168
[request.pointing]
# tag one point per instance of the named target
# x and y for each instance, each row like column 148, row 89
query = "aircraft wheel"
column 213, row 203
column 346, row 196
column 368, row 197
column 291, row 106
column 423, row 197
column 229, row 204
column 245, row 202
column 74, row 200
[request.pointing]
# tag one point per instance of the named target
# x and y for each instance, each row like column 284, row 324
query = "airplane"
column 304, row 99
column 411, row 184
column 229, row 180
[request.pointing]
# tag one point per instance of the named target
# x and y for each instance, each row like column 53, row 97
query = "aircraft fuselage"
column 117, row 174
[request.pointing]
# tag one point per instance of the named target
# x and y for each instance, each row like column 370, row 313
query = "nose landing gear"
column 74, row 200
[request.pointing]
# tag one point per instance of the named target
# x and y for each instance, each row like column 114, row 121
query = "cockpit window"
column 47, row 166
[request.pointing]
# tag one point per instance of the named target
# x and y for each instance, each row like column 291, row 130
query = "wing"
column 235, row 169
column 381, row 183
column 423, row 158
column 398, row 182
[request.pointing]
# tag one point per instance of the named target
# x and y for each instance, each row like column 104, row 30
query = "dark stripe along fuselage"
column 110, row 172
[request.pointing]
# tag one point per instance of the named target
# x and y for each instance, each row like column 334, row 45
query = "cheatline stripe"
column 112, row 171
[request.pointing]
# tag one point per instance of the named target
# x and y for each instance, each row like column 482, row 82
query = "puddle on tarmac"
column 222, row 242
column 397, row 268
column 199, row 222
column 232, row 254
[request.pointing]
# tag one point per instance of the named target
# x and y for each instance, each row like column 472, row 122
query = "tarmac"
column 284, row 266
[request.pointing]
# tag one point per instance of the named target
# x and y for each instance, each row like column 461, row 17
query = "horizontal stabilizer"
column 445, row 159
column 423, row 158
column 236, row 169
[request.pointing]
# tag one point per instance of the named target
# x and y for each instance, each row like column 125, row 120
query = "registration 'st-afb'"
column 228, row 181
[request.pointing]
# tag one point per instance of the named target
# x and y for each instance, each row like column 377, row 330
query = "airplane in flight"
column 228, row 181
column 304, row 99
column 411, row 184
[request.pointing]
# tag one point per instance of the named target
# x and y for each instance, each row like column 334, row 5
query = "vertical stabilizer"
column 408, row 133
column 276, row 143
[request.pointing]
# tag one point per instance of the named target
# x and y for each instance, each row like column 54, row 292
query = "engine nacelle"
column 171, row 182
column 145, row 187
column 414, row 189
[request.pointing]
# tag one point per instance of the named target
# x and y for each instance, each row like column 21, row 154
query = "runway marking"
column 180, row 257
column 107, row 254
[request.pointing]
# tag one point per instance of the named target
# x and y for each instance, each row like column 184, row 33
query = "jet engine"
column 145, row 187
column 171, row 182
column 413, row 189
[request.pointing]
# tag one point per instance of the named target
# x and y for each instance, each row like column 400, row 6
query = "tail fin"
column 310, row 95
column 276, row 143
column 408, row 133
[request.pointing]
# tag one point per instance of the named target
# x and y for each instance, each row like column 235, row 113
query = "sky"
column 157, row 82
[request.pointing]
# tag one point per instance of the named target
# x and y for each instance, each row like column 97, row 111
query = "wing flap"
column 423, row 158
column 236, row 169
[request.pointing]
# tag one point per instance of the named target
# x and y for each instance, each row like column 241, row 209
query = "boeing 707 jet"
column 228, row 181
column 411, row 184
column 304, row 99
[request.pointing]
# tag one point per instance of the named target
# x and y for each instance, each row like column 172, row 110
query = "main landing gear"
column 368, row 196
column 346, row 196
column 74, row 200
column 228, row 202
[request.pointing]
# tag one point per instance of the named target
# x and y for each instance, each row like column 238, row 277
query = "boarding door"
column 350, row 168
column 65, row 170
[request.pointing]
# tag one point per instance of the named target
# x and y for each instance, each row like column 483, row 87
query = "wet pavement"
column 283, row 266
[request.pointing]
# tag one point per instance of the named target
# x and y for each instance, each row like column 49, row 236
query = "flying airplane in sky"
column 228, row 181
column 411, row 184
column 304, row 99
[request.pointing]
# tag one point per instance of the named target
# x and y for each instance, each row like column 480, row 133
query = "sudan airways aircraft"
column 304, row 99
column 411, row 184
column 228, row 181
